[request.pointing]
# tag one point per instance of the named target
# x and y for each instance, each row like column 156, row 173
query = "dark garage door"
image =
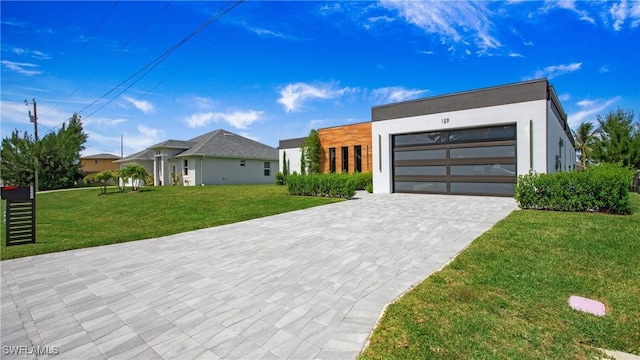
column 476, row 161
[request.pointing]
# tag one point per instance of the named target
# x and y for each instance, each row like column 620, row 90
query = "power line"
column 158, row 60
column 117, row 52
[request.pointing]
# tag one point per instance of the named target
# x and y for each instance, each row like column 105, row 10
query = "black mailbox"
column 17, row 193
column 20, row 214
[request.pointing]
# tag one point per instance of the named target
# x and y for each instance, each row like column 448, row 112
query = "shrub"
column 362, row 180
column 369, row 187
column 331, row 185
column 603, row 188
column 280, row 178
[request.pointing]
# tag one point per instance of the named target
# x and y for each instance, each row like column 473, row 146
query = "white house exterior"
column 293, row 150
column 215, row 158
column 474, row 142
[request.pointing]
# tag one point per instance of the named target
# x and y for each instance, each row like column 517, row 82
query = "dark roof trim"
column 557, row 109
column 291, row 143
column 493, row 96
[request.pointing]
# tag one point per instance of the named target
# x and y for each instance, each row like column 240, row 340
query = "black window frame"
column 345, row 159
column 332, row 160
column 357, row 158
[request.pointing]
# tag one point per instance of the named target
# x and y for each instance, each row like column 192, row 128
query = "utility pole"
column 34, row 119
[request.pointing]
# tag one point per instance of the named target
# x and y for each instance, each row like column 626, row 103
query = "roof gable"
column 222, row 143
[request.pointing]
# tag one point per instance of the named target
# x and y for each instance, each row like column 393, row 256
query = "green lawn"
column 506, row 296
column 83, row 218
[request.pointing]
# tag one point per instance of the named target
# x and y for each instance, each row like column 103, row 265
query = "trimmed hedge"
column 603, row 188
column 331, row 185
column 362, row 180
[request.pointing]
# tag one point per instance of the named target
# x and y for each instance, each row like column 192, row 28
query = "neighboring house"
column 99, row 162
column 143, row 158
column 472, row 143
column 217, row 157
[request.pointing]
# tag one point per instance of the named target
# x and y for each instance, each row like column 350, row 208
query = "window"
column 345, row 159
column 267, row 168
column 186, row 167
column 332, row 160
column 243, row 162
column 357, row 150
column 95, row 161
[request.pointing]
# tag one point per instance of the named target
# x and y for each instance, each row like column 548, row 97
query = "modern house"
column 345, row 148
column 472, row 143
column 214, row 158
column 99, row 162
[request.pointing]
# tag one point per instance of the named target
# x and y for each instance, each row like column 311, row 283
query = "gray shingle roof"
column 101, row 156
column 173, row 144
column 222, row 143
column 145, row 154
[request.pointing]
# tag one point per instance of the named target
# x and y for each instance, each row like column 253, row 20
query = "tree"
column 585, row 137
column 17, row 159
column 102, row 178
column 136, row 173
column 59, row 156
column 312, row 148
column 303, row 162
column 615, row 140
column 285, row 165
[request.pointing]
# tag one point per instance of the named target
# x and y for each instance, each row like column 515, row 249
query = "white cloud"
column 293, row 96
column 453, row 21
column 17, row 113
column 142, row 138
column 142, row 105
column 32, row 53
column 622, row 11
column 568, row 5
column 27, row 69
column 589, row 110
column 512, row 54
column 555, row 70
column 237, row 119
column 103, row 122
column 395, row 94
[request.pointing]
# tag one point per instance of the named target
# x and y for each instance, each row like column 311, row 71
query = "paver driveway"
column 305, row 284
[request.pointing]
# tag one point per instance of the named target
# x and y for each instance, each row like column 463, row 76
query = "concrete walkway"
column 301, row 285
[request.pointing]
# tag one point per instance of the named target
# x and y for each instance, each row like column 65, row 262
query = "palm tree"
column 585, row 137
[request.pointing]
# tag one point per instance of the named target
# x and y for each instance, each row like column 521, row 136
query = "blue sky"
column 274, row 70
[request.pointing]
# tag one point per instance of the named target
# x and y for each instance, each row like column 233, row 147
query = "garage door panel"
column 508, row 170
column 483, row 152
column 421, row 154
column 482, row 188
column 427, row 187
column 430, row 170
column 479, row 161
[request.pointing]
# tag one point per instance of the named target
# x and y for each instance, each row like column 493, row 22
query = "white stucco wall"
column 520, row 114
column 218, row 171
column 293, row 159
column 555, row 132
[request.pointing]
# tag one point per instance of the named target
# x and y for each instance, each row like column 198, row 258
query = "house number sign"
column 445, row 120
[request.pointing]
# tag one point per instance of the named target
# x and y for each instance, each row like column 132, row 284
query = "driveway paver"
column 301, row 285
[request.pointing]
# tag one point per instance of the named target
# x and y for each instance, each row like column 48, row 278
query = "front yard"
column 506, row 296
column 82, row 218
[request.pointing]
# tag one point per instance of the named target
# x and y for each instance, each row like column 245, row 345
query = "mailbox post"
column 20, row 214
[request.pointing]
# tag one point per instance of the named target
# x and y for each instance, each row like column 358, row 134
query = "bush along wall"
column 603, row 188
column 329, row 185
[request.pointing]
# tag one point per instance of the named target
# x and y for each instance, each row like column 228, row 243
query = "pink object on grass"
column 587, row 305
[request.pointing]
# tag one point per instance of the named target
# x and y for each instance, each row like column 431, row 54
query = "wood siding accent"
column 349, row 136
